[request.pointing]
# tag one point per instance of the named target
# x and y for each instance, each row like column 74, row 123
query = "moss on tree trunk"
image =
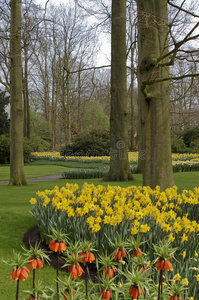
column 155, row 158
column 17, row 175
column 119, row 163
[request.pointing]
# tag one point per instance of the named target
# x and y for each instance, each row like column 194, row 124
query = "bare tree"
column 4, row 45
column 17, row 175
column 156, row 54
column 119, row 164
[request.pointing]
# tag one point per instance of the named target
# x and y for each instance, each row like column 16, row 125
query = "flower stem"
column 160, row 284
column 33, row 279
column 86, row 280
column 17, row 293
column 57, row 272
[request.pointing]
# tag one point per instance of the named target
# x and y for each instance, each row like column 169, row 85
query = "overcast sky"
column 104, row 52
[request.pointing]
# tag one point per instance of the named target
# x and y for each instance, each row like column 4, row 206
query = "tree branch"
column 177, row 46
column 150, row 82
column 86, row 69
column 182, row 9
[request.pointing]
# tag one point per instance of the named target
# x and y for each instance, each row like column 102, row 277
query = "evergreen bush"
column 94, row 143
column 4, row 149
column 186, row 142
column 178, row 146
column 190, row 136
column 38, row 144
column 4, row 118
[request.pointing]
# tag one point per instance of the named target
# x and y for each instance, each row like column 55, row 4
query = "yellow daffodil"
column 185, row 282
column 171, row 238
column 184, row 238
column 33, row 201
column 177, row 277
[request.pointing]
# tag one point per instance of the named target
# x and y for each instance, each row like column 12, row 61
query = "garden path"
column 43, row 178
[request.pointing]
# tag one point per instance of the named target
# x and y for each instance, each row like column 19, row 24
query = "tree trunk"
column 26, row 93
column 46, row 89
column 17, row 175
column 132, row 131
column 119, row 164
column 68, row 109
column 79, row 120
column 155, row 144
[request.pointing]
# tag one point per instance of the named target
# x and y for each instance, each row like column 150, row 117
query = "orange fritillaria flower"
column 75, row 271
column 143, row 269
column 79, row 270
column 87, row 257
column 20, row 273
column 109, row 271
column 35, row 263
column 13, row 275
column 137, row 252
column 119, row 254
column 39, row 263
column 175, row 298
column 106, row 295
column 168, row 265
column 135, row 292
column 163, row 265
column 57, row 247
column 123, row 253
column 62, row 246
column 67, row 294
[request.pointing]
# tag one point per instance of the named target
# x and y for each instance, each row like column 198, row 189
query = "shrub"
column 178, row 146
column 94, row 143
column 26, row 150
column 195, row 146
column 38, row 144
column 190, row 136
column 4, row 118
column 4, row 149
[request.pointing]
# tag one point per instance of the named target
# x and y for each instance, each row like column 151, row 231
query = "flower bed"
column 100, row 214
column 133, row 157
column 181, row 163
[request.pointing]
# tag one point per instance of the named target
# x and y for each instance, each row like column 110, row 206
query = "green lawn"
column 15, row 218
column 33, row 171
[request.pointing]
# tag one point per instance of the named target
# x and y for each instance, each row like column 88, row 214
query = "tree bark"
column 155, row 145
column 26, row 92
column 132, row 131
column 119, row 164
column 17, row 175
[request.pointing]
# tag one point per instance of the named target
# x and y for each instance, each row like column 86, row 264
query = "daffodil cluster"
column 107, row 210
column 100, row 213
column 190, row 158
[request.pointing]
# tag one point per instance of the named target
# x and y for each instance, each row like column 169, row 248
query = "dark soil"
column 33, row 235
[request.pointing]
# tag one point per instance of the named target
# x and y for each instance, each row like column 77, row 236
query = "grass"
column 70, row 164
column 15, row 222
column 34, row 171
column 15, row 218
column 46, row 167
